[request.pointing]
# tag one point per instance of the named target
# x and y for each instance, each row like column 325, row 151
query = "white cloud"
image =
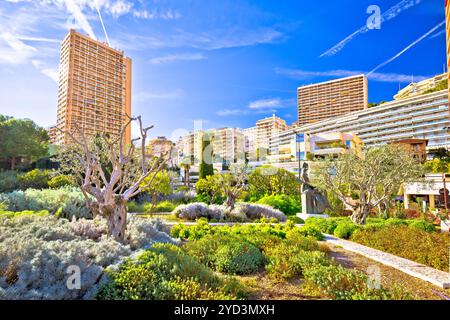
column 261, row 106
column 231, row 112
column 13, row 50
column 386, row 16
column 52, row 73
column 214, row 39
column 120, row 8
column 167, row 14
column 75, row 8
column 178, row 57
column 38, row 39
column 380, row 77
column 265, row 103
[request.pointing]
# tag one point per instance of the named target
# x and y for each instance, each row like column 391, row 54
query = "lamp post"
column 297, row 150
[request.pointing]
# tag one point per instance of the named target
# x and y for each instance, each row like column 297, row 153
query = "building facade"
column 290, row 146
column 228, row 145
column 94, row 88
column 317, row 102
column 52, row 134
column 250, row 143
column 419, row 117
column 417, row 148
column 417, row 89
column 266, row 128
column 188, row 147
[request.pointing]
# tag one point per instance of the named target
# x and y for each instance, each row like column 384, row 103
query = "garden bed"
column 415, row 240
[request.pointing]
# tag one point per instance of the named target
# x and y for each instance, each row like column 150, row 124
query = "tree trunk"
column 117, row 220
column 13, row 163
column 360, row 214
column 230, row 201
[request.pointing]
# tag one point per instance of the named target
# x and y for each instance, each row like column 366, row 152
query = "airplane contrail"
column 103, row 25
column 407, row 48
column 388, row 15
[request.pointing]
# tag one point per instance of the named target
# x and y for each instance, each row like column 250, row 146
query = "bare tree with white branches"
column 111, row 173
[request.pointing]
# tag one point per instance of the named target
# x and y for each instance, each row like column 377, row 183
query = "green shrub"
column 165, row 272
column 238, row 257
column 296, row 220
column 423, row 225
column 209, row 190
column 396, row 222
column 164, row 206
column 259, row 235
column 325, row 225
column 61, row 180
column 345, row 229
column 336, row 282
column 312, row 231
column 268, row 180
column 205, row 249
column 35, row 179
column 429, row 248
column 288, row 258
column 339, row 283
column 12, row 214
column 289, row 205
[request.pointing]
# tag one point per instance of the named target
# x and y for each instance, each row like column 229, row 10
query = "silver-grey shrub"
column 196, row 210
column 70, row 199
column 255, row 211
column 242, row 212
column 35, row 253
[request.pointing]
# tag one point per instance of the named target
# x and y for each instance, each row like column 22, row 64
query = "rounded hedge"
column 422, row 225
column 239, row 258
column 344, row 230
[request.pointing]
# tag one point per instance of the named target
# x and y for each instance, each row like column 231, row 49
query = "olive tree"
column 130, row 172
column 232, row 184
column 373, row 177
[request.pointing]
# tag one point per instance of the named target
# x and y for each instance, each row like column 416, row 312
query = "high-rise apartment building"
column 52, row 134
column 422, row 116
column 329, row 99
column 228, row 145
column 267, row 127
column 250, row 143
column 94, row 88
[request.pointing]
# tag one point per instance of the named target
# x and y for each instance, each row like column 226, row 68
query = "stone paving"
column 434, row 276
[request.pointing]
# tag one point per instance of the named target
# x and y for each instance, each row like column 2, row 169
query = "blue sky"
column 227, row 62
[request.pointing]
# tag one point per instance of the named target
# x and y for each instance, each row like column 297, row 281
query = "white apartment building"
column 228, row 145
column 267, row 127
column 424, row 116
column 250, row 135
